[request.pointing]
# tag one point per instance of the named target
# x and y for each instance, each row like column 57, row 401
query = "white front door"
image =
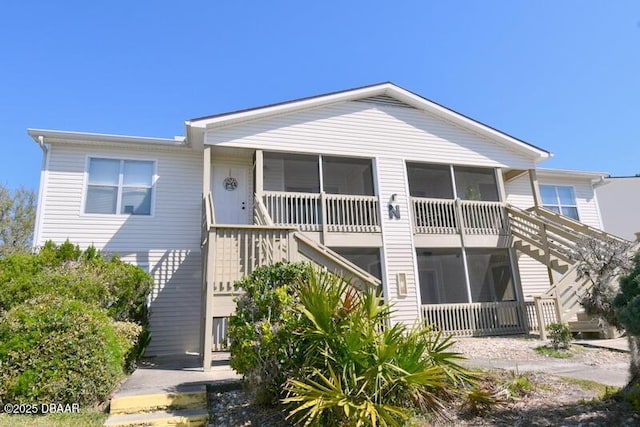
column 230, row 191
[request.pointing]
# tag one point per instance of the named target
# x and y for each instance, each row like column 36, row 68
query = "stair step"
column 559, row 266
column 585, row 326
column 133, row 404
column 178, row 418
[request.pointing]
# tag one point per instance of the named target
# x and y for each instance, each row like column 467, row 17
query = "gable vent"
column 386, row 100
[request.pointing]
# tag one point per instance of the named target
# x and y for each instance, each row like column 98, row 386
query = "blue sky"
column 562, row 75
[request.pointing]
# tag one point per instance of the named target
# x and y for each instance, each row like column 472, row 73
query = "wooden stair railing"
column 320, row 254
column 332, row 261
column 549, row 238
column 572, row 224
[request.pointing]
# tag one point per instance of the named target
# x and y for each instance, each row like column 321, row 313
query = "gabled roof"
column 195, row 128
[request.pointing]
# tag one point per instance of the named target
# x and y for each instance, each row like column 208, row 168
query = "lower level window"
column 441, row 275
column 490, row 275
column 119, row 186
column 443, row 278
column 367, row 259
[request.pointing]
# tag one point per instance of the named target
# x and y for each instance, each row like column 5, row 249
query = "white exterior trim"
column 414, row 257
column 57, row 136
column 40, row 209
column 85, row 184
column 388, row 89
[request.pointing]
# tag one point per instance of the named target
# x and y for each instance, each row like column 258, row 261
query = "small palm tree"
column 359, row 369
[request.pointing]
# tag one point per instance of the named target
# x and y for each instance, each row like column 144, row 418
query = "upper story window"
column 476, row 184
column 119, row 186
column 296, row 173
column 436, row 181
column 301, row 173
column 560, row 199
column 347, row 175
column 431, row 181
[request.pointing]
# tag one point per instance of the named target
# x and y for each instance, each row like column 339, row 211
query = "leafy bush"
column 330, row 351
column 120, row 288
column 62, row 351
column 260, row 332
column 359, row 370
column 560, row 335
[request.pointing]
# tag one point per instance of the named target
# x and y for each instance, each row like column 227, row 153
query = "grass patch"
column 90, row 418
column 550, row 352
column 601, row 389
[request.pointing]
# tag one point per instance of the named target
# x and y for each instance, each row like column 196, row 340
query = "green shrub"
column 62, row 351
column 330, row 351
column 260, row 332
column 560, row 335
column 120, row 288
column 360, row 370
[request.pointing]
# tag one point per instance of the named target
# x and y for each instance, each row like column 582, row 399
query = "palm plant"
column 359, row 369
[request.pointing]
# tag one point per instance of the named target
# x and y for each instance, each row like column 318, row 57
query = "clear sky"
column 563, row 75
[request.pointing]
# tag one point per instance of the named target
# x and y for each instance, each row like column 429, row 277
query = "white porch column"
column 207, row 270
column 535, row 188
column 259, row 173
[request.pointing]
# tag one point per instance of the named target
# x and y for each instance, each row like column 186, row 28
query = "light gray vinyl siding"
column 369, row 130
column 398, row 249
column 533, row 274
column 619, row 201
column 519, row 194
column 588, row 210
column 169, row 240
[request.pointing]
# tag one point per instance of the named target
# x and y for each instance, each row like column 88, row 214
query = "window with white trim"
column 119, row 186
column 560, row 199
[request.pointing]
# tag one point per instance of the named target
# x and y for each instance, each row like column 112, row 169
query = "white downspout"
column 41, row 191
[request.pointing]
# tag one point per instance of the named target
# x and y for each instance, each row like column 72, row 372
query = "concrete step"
column 137, row 403
column 177, row 418
column 584, row 326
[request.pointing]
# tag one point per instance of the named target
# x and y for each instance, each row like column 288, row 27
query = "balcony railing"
column 477, row 319
column 332, row 212
column 446, row 216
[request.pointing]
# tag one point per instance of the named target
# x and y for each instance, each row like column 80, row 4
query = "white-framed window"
column 118, row 186
column 560, row 199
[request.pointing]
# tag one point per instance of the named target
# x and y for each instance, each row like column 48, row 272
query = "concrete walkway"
column 177, row 374
column 613, row 374
column 184, row 373
column 617, row 344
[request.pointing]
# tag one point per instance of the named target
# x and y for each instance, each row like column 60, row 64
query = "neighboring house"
column 619, row 198
column 444, row 214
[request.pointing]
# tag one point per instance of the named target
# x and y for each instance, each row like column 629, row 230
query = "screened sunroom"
column 451, row 199
column 320, row 193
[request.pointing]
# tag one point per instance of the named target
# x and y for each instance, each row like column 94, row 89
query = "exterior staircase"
column 231, row 252
column 550, row 238
column 179, row 409
column 319, row 254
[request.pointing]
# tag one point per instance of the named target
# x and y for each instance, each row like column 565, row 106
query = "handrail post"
column 459, row 217
column 323, row 215
column 542, row 327
column 208, row 304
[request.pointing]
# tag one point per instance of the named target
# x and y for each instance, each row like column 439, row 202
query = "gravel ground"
column 555, row 401
column 506, row 348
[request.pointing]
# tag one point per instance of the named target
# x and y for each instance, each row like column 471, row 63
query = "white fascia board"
column 56, row 136
column 388, row 89
column 287, row 107
column 569, row 173
column 421, row 103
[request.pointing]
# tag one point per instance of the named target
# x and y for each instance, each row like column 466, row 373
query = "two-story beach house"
column 449, row 218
